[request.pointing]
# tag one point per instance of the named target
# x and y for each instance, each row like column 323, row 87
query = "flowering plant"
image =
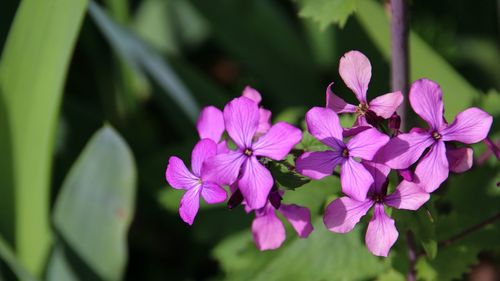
column 366, row 153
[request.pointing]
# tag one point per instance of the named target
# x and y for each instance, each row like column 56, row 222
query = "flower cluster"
column 365, row 154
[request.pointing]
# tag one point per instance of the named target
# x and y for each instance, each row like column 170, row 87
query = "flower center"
column 362, row 109
column 378, row 198
column 345, row 153
column 436, row 136
column 248, row 152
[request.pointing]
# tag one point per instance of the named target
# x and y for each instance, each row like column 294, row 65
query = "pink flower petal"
column 344, row 213
column 336, row 103
column 252, row 94
column 255, row 183
column 323, row 123
column 278, row 141
column 385, row 105
column 264, row 121
column 470, row 126
column 213, row 193
column 203, row 150
column 381, row 233
column 405, row 149
column 459, row 159
column 355, row 179
column 318, row 164
column 408, row 196
column 268, row 231
column 356, row 71
column 190, row 203
column 426, row 100
column 222, row 147
column 432, row 170
column 241, row 117
column 223, row 168
column 379, row 173
column 299, row 218
column 356, row 129
column 366, row 144
column 210, row 124
column 178, row 176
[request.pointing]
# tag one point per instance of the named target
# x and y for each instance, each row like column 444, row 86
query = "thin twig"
column 469, row 230
column 412, row 257
column 399, row 51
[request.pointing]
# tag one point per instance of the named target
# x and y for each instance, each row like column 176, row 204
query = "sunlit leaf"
column 326, row 12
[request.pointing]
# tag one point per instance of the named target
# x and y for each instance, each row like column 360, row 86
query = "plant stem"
column 469, row 230
column 399, row 53
column 412, row 257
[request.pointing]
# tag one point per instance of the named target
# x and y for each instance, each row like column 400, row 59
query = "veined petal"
column 190, row 203
column 264, row 121
column 203, row 150
column 356, row 71
column 255, row 183
column 336, row 103
column 344, row 213
column 459, row 159
column 222, row 147
column 268, row 231
column 426, row 100
column 318, row 164
column 178, row 176
column 385, row 105
column 432, row 170
column 381, row 233
column 241, row 116
column 405, row 149
column 470, row 126
column 223, row 168
column 379, row 173
column 355, row 179
column 366, row 144
column 213, row 193
column 323, row 123
column 278, row 141
column 299, row 217
column 408, row 196
column 252, row 94
column 210, row 124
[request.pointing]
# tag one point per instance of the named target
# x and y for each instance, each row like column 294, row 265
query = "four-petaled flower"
column 241, row 117
column 470, row 126
column 323, row 123
column 268, row 230
column 195, row 183
column 356, row 71
column 344, row 213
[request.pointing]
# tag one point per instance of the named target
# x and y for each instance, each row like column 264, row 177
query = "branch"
column 469, row 231
column 412, row 257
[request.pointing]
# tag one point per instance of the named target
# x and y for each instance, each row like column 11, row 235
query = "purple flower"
column 470, row 126
column 264, row 114
column 268, row 230
column 210, row 125
column 241, row 118
column 344, row 213
column 324, row 124
column 356, row 71
column 195, row 183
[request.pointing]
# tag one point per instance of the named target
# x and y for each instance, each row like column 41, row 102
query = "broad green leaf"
column 33, row 69
column 58, row 267
column 458, row 94
column 326, row 12
column 142, row 57
column 96, row 204
column 322, row 256
column 286, row 178
column 9, row 258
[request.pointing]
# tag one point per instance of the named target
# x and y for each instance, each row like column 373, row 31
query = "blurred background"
column 146, row 68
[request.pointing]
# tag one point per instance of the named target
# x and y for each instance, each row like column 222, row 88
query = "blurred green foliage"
column 145, row 67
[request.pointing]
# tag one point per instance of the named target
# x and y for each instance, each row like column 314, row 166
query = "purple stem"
column 412, row 257
column 399, row 48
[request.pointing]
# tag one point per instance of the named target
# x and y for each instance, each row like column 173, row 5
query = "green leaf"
column 58, row 267
column 326, row 12
column 95, row 206
column 458, row 94
column 286, row 178
column 33, row 69
column 322, row 256
column 8, row 256
column 141, row 57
